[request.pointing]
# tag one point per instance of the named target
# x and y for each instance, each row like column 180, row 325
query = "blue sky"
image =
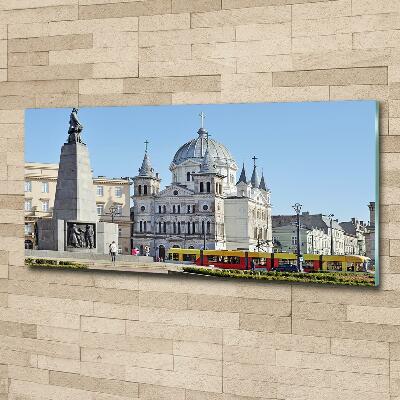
column 321, row 154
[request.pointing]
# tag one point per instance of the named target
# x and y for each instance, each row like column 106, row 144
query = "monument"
column 75, row 225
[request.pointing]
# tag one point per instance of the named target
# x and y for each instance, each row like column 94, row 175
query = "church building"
column 205, row 206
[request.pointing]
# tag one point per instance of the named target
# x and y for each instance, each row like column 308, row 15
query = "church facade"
column 204, row 206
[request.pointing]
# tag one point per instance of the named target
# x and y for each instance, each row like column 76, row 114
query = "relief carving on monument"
column 81, row 235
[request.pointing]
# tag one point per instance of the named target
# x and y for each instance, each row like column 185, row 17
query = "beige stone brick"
column 23, row 389
column 323, row 9
column 64, row 335
column 24, row 59
column 163, row 300
column 254, row 388
column 42, row 14
column 126, row 343
column 237, row 304
column 199, row 35
column 11, row 116
column 374, row 315
column 51, row 304
column 187, row 68
column 262, row 31
column 319, row 311
column 150, row 392
column 145, row 360
column 341, row 77
column 265, row 323
column 115, row 70
column 199, row 350
column 179, row 6
column 125, row 9
column 52, row 72
column 100, row 86
column 265, row 64
column 374, row 6
column 242, row 17
column 22, row 4
column 46, row 43
column 243, row 49
column 109, row 100
column 376, row 40
column 240, row 371
column 103, row 371
column 28, row 374
column 197, row 366
column 190, row 317
column 58, row 364
column 115, row 39
column 332, row 362
column 249, row 355
column 174, row 379
column 75, row 381
column 358, row 92
column 164, row 22
column 120, row 311
column 196, row 98
column 183, row 333
column 14, row 357
column 99, row 55
column 112, row 281
column 102, row 325
column 44, row 87
column 360, row 348
column 165, row 53
column 318, row 44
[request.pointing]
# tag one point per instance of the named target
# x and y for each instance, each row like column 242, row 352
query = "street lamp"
column 297, row 209
column 330, row 216
column 113, row 212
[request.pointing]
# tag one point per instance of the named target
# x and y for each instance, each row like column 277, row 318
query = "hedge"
column 47, row 263
column 359, row 279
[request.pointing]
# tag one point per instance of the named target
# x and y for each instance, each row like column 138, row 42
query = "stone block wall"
column 98, row 336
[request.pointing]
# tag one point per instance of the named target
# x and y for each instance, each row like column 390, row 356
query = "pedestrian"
column 252, row 265
column 113, row 251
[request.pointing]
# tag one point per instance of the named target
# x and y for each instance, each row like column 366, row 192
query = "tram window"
column 334, row 265
column 189, row 257
column 175, row 256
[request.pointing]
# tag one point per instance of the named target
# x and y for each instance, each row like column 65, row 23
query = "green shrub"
column 46, row 263
column 355, row 279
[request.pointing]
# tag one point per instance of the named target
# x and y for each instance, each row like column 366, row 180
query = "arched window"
column 208, row 226
column 208, row 187
column 164, row 209
column 141, row 226
column 145, row 226
column 145, row 190
column 140, row 189
column 165, row 227
column 159, row 209
column 179, row 208
column 188, row 228
column 201, row 187
column 159, row 227
column 202, row 227
column 174, row 227
column 193, row 227
column 193, row 208
column 179, row 227
column 188, row 176
column 173, row 209
column 188, row 209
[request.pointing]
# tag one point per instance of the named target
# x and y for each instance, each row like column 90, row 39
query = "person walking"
column 113, row 251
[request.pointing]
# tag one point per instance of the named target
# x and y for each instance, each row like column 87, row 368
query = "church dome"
column 196, row 149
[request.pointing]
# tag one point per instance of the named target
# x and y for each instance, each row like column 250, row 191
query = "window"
column 193, row 228
column 179, row 208
column 45, row 187
column 164, row 209
column 193, row 208
column 145, row 190
column 176, row 193
column 202, row 227
column 179, row 227
column 118, row 209
column 28, row 186
column 45, row 205
column 100, row 190
column 173, row 209
column 100, row 209
column 28, row 205
column 188, row 228
column 188, row 209
column 140, row 190
column 208, row 226
column 174, row 227
column 159, row 209
column 159, row 227
column 165, row 227
column 119, row 231
column 205, row 207
column 145, row 226
column 118, row 191
column 28, row 229
column 294, row 240
column 141, row 226
column 143, row 208
column 208, row 187
column 201, row 187
column 188, row 176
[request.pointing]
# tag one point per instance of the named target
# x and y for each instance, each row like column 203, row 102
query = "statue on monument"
column 74, row 236
column 75, row 127
column 89, row 237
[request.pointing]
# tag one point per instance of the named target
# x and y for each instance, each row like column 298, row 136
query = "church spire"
column 207, row 166
column 146, row 169
column 242, row 177
column 255, row 181
column 262, row 182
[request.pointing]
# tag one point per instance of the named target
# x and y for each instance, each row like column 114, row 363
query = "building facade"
column 204, row 206
column 370, row 234
column 40, row 188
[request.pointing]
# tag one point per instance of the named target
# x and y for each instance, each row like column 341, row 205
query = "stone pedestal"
column 75, row 208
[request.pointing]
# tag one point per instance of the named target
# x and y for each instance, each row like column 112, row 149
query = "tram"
column 239, row 259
